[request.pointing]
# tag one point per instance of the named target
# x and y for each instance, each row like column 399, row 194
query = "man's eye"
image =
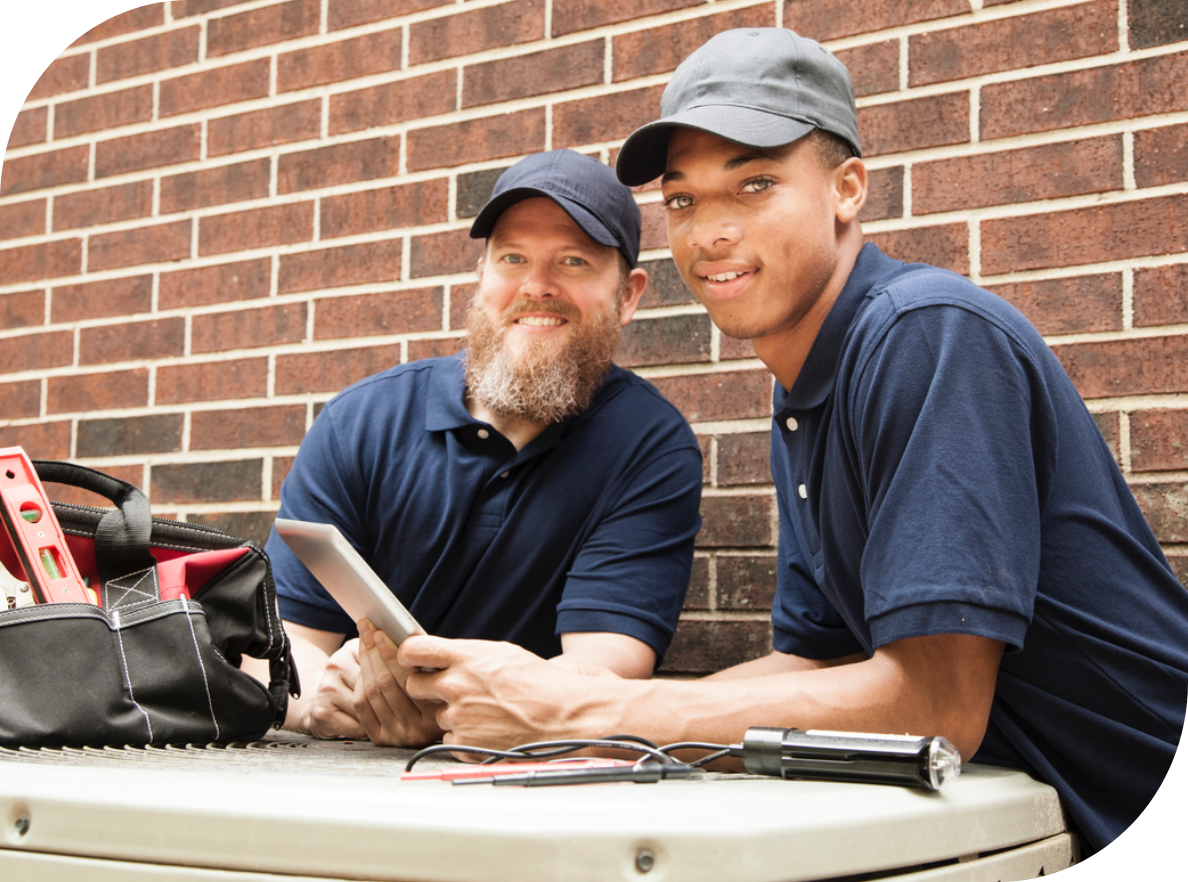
column 513, row 258
column 678, row 201
column 574, row 261
column 758, row 185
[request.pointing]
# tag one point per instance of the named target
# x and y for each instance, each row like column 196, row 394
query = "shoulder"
column 630, row 398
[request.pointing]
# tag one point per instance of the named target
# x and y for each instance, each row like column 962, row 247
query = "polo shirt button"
column 484, row 434
column 803, row 491
column 505, row 474
column 792, row 424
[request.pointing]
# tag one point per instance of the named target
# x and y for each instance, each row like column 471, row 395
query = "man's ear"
column 637, row 283
column 849, row 183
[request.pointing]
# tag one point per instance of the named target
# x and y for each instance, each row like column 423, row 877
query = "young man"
column 959, row 553
column 526, row 490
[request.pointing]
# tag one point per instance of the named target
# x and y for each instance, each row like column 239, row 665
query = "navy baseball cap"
column 587, row 190
column 762, row 87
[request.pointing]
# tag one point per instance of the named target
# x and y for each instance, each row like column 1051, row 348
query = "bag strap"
column 122, row 536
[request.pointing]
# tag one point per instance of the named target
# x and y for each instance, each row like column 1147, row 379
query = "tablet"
column 343, row 572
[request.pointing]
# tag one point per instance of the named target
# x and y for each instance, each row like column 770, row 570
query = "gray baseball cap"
column 762, row 87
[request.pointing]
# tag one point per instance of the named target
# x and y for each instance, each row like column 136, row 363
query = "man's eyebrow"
column 730, row 164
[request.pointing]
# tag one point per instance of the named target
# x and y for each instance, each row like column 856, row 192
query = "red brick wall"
column 214, row 215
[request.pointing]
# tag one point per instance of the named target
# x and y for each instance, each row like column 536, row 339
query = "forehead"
column 693, row 149
column 541, row 220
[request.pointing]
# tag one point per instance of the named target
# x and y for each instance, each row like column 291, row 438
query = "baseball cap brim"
column 484, row 222
column 644, row 154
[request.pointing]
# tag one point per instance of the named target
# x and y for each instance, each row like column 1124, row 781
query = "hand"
column 383, row 708
column 499, row 695
column 332, row 714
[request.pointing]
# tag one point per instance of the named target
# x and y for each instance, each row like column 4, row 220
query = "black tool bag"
column 157, row 661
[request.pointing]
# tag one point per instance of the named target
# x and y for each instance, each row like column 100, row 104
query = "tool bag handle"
column 122, row 536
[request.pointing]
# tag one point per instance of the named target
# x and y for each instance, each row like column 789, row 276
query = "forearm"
column 311, row 650
column 779, row 663
column 600, row 652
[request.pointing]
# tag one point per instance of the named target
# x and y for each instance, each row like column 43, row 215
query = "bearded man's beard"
column 539, row 384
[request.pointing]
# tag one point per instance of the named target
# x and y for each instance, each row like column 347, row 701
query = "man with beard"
column 526, row 490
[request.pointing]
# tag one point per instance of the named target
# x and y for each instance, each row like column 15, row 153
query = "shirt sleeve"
column 631, row 574
column 318, row 488
column 945, row 411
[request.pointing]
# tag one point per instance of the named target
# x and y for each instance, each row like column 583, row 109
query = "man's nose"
column 711, row 228
column 539, row 282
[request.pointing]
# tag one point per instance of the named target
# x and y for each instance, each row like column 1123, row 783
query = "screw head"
column 644, row 860
column 21, row 825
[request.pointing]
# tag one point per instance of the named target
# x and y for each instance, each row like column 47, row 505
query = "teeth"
column 540, row 321
column 723, row 277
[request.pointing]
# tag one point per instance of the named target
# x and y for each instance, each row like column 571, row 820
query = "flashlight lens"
column 944, row 762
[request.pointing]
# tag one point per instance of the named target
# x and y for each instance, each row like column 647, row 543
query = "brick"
column 88, row 208
column 386, row 208
column 67, row 74
column 1079, row 31
column 460, row 297
column 732, row 349
column 118, row 156
column 133, row 474
column 746, row 582
column 701, row 647
column 187, row 8
column 212, row 381
column 244, row 280
column 300, row 121
column 936, row 121
column 1179, row 566
column 1159, row 440
column 946, row 245
column 884, row 194
column 40, row 440
column 442, row 253
column 214, row 88
column 253, row 525
column 124, row 436
column 436, row 348
column 1086, row 235
column 110, row 297
column 581, row 15
column 1161, row 295
column 654, row 228
column 1092, row 165
column 1161, row 156
column 21, row 219
column 333, row 370
column 282, row 224
column 1107, row 424
column 49, row 169
column 147, row 55
column 678, row 339
column 478, row 140
column 348, row 13
column 262, row 27
column 414, row 98
column 744, row 459
column 229, row 481
column 389, row 312
column 22, row 309
column 1113, row 368
column 828, row 21
column 32, row 352
column 109, row 110
column 336, row 62
column 661, row 49
column 605, row 118
column 45, row 260
column 735, row 521
column 87, row 393
column 1165, row 506
column 520, row 21
column 132, row 341
column 731, row 395
column 873, row 68
column 247, row 427
column 538, row 73
column 281, row 466
column 339, row 164
column 475, row 188
column 216, row 186
column 698, row 596
column 338, row 267
column 665, row 285
column 164, row 242
column 1076, row 305
column 1156, row 22
column 31, row 127
column 1083, row 97
column 138, row 19
column 248, row 328
column 20, row 401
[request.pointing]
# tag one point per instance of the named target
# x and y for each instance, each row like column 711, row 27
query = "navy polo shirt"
column 588, row 528
column 937, row 473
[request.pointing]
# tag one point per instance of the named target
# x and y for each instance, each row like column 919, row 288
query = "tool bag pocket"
column 157, row 661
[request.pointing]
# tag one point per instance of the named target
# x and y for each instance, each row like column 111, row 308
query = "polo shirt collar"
column 816, row 378
column 446, row 406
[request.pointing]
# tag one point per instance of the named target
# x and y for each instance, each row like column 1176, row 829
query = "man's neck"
column 515, row 429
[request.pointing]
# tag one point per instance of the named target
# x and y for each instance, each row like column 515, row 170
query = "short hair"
column 831, row 150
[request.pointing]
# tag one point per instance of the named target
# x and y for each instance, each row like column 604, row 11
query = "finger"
column 431, row 652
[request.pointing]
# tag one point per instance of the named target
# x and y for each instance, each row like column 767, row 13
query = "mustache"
column 526, row 304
